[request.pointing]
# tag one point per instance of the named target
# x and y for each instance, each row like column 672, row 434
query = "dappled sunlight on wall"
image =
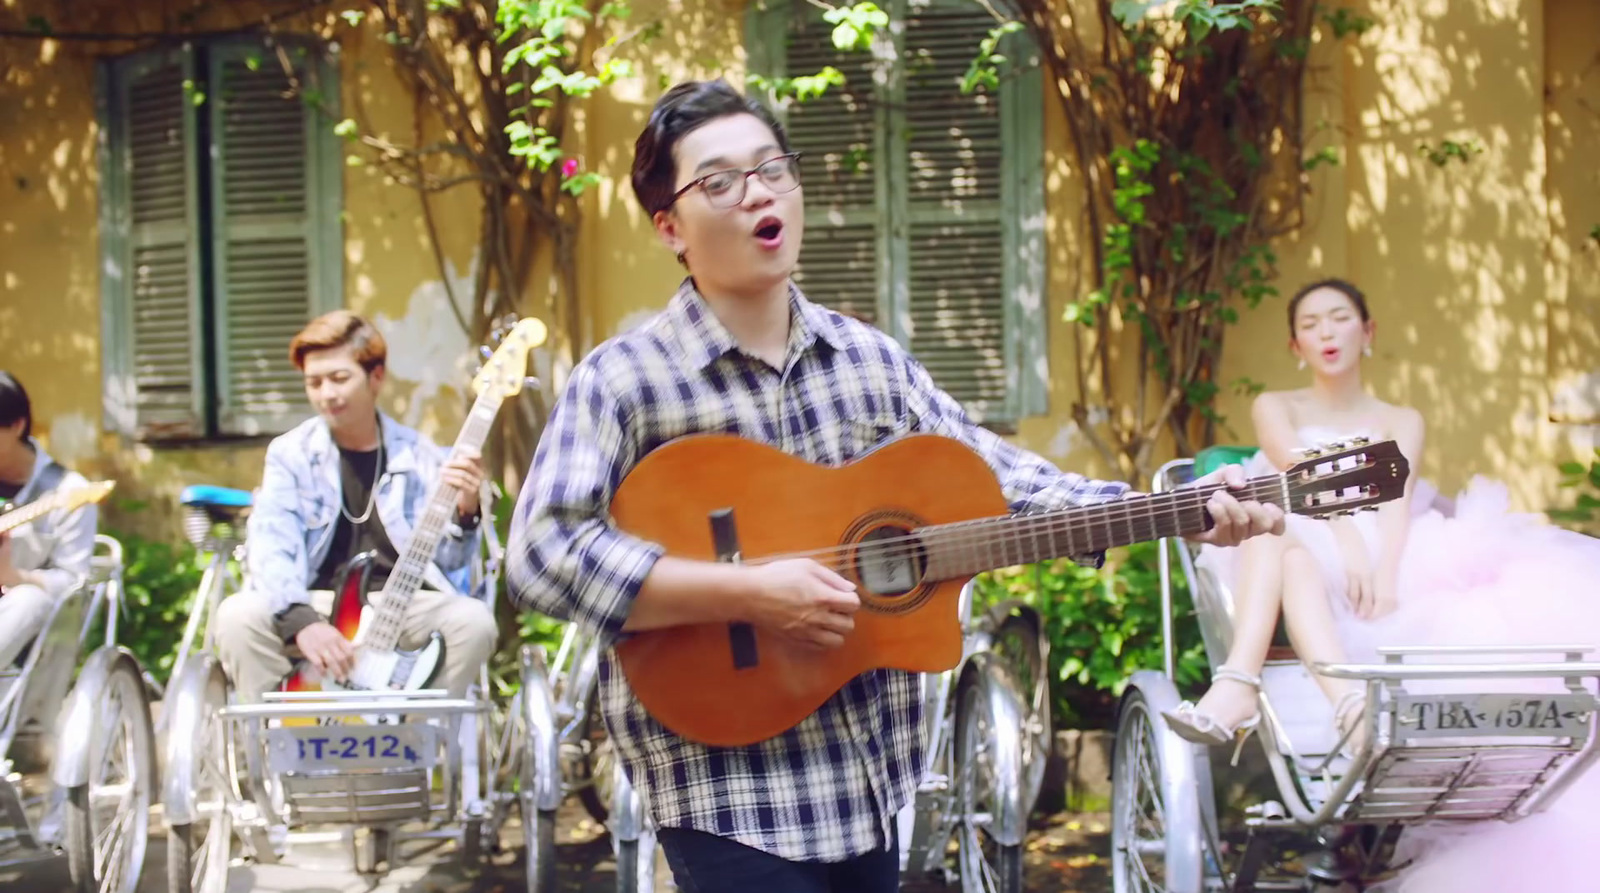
column 49, row 288
column 1451, row 250
column 623, row 266
column 1572, row 135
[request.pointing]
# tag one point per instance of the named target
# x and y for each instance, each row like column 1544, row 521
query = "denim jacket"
column 58, row 545
column 297, row 508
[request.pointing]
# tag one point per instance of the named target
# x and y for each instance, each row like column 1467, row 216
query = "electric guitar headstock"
column 505, row 367
column 1347, row 476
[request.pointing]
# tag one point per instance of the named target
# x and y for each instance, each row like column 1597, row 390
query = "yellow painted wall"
column 1468, row 266
column 1457, row 261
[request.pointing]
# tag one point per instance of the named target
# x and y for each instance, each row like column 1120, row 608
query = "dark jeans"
column 705, row 863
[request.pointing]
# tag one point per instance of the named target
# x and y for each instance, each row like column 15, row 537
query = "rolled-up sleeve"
column 1030, row 483
column 566, row 558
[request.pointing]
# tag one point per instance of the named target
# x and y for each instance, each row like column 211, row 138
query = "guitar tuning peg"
column 530, row 382
column 485, row 352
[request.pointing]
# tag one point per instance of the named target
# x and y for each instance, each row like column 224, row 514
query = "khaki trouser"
column 23, row 611
column 255, row 657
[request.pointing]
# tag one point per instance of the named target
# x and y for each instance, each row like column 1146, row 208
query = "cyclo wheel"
column 594, row 781
column 1156, row 836
column 108, row 817
column 989, row 788
column 198, row 852
column 1019, row 641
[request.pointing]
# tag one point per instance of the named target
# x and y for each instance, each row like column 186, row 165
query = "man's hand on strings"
column 1235, row 520
column 465, row 473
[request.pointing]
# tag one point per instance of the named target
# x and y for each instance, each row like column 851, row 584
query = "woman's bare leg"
column 1310, row 621
column 1256, row 601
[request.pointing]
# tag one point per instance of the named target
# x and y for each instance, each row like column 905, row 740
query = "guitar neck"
column 970, row 547
column 33, row 511
column 411, row 570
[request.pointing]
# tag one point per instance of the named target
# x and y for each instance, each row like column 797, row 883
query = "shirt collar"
column 703, row 338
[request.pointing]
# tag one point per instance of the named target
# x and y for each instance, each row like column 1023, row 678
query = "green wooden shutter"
column 150, row 282
column 924, row 206
column 838, row 135
column 271, row 246
column 955, row 307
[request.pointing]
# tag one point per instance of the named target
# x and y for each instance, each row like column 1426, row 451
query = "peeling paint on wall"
column 73, row 437
column 427, row 346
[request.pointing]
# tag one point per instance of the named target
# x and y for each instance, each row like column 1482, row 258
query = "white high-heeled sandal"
column 1191, row 724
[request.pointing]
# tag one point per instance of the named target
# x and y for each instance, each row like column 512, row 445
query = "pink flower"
column 568, row 168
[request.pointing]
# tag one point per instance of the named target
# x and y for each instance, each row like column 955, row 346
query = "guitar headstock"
column 95, row 491
column 505, row 370
column 1345, row 477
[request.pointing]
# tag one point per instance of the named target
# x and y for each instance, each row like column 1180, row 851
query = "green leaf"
column 345, row 128
column 1572, row 468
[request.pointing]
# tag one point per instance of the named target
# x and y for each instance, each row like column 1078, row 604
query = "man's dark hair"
column 679, row 111
column 14, row 404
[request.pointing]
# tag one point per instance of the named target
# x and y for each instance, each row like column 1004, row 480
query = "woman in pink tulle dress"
column 1406, row 574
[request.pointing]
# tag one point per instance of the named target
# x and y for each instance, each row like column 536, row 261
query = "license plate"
column 1492, row 715
column 305, row 748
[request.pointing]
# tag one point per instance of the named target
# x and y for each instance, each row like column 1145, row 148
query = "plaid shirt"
column 829, row 788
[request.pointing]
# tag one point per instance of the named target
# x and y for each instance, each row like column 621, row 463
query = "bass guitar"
column 909, row 523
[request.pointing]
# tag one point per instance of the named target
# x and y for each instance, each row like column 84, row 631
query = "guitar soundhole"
column 889, row 562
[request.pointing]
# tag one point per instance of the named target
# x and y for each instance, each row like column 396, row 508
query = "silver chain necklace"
column 372, row 494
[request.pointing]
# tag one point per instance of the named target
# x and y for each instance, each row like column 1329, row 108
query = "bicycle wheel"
column 108, row 817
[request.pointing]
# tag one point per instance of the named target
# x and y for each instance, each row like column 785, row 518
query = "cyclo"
column 78, row 778
column 376, row 769
column 1352, row 803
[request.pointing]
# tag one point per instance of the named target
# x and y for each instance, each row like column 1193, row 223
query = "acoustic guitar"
column 910, row 523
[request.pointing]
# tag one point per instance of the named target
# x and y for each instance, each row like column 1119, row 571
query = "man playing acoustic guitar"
column 351, row 480
column 739, row 350
column 42, row 560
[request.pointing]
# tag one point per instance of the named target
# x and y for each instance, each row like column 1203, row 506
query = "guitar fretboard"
column 970, row 547
column 409, row 573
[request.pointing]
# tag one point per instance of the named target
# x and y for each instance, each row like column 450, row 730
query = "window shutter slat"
column 954, row 178
column 153, row 252
column 265, row 239
column 836, row 133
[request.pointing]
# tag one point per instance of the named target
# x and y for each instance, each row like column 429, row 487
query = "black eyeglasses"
column 726, row 189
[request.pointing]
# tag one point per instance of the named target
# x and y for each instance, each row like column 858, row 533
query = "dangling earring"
column 681, row 258
column 1302, row 365
column 1367, row 350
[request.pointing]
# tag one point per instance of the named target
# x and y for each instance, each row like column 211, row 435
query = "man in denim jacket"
column 351, row 480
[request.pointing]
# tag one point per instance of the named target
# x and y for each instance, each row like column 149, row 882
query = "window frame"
column 323, row 152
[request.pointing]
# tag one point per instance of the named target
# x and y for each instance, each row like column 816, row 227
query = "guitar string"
column 1122, row 511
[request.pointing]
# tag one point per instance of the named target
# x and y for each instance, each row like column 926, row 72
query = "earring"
column 681, row 257
column 1302, row 365
column 1367, row 350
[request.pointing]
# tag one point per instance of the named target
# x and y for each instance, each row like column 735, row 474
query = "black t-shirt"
column 358, row 471
column 9, row 492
